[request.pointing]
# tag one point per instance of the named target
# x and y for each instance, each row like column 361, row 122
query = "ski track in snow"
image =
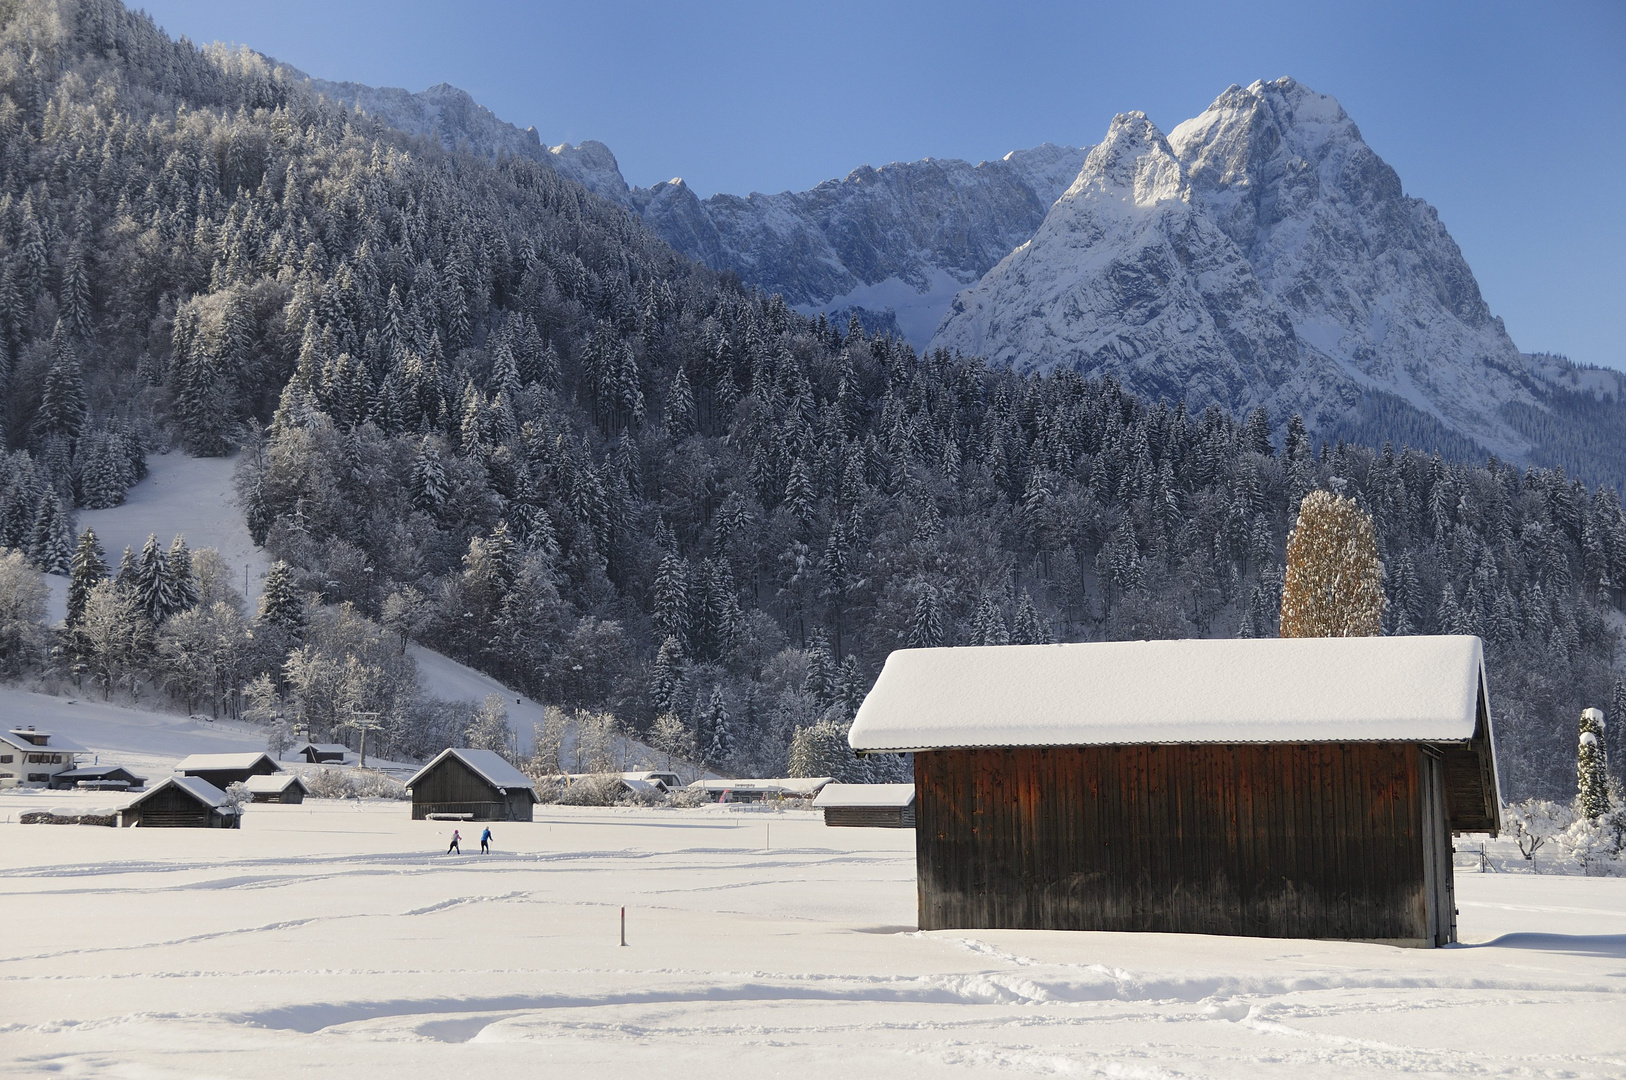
column 336, row 939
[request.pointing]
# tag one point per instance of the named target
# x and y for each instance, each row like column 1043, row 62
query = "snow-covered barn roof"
column 861, row 796
column 1256, row 690
column 275, row 783
column 213, row 762
column 489, row 765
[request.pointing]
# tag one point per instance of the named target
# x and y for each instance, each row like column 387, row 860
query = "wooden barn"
column 473, row 785
column 320, row 753
column 1268, row 787
column 99, row 778
column 223, row 769
column 180, row 802
column 873, row 806
column 282, row 787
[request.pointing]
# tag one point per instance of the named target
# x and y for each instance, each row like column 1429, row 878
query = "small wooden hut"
column 180, row 802
column 1268, row 787
column 320, row 753
column 471, row 785
column 223, row 769
column 282, row 787
column 873, row 806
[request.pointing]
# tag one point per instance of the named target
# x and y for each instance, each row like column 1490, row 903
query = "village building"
column 224, row 769
column 282, row 787
column 99, row 778
column 634, row 782
column 875, row 806
column 180, row 802
column 319, row 753
column 790, row 787
column 1301, row 787
column 30, row 758
column 471, row 785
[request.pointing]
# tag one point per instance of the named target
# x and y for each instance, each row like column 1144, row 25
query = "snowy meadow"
column 337, row 938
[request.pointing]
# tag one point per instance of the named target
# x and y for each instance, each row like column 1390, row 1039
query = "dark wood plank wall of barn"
column 1316, row 840
column 173, row 808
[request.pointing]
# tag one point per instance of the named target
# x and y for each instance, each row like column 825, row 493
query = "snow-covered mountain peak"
column 1337, row 288
column 1134, row 163
column 593, row 166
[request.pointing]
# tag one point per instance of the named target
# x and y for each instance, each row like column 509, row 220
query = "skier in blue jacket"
column 485, row 841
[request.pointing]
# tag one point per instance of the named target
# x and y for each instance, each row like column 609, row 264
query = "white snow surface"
column 336, row 940
column 1138, row 692
column 844, row 795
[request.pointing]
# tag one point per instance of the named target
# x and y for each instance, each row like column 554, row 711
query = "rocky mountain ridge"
column 1315, row 286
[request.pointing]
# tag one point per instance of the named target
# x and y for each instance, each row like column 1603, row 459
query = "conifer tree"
column 1029, row 627
column 127, row 570
column 716, row 729
column 89, row 569
column 1334, row 585
column 75, row 299
column 926, row 624
column 667, row 679
column 1591, row 766
column 50, row 542
column 280, row 605
column 680, row 417
column 154, row 591
column 429, row 486
column 671, row 600
column 62, row 400
column 183, row 587
column 820, row 682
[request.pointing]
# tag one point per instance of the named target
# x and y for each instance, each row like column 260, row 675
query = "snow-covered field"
column 337, row 939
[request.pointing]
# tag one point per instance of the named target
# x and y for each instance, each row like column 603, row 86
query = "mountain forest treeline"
column 478, row 407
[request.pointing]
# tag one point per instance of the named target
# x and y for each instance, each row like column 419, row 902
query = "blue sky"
column 1510, row 118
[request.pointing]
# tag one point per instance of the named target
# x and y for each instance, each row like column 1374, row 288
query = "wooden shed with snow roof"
column 180, row 802
column 223, row 769
column 1279, row 788
column 474, row 785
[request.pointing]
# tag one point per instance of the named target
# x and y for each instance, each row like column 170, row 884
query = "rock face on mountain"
column 442, row 112
column 903, row 237
column 1262, row 254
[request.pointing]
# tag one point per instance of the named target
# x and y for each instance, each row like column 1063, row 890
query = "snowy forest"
column 477, row 407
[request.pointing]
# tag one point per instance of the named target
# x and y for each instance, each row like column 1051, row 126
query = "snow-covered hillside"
column 338, row 940
column 1261, row 254
column 194, row 497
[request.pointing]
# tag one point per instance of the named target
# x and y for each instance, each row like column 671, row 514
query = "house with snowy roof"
column 471, row 785
column 31, row 758
column 1271, row 787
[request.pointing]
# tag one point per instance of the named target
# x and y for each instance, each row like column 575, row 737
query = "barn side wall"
column 1319, row 840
